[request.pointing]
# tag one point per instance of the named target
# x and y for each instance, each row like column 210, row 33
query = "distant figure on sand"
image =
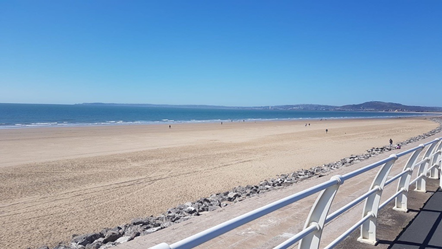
column 170, row 126
column 391, row 142
column 326, row 130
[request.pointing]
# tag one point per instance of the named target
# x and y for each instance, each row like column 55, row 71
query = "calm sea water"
column 32, row 115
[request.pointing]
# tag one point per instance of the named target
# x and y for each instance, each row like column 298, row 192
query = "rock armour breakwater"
column 110, row 237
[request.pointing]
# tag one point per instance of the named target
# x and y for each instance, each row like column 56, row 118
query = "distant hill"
column 385, row 106
column 367, row 106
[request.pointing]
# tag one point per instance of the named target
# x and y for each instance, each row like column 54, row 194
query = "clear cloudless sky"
column 232, row 53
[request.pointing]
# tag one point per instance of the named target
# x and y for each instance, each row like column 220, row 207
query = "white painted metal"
column 365, row 169
column 435, row 160
column 404, row 183
column 350, row 205
column 368, row 228
column 310, row 236
column 421, row 183
column 215, row 231
column 390, row 199
column 318, row 215
column 297, row 237
column 350, row 230
column 440, row 173
column 161, row 246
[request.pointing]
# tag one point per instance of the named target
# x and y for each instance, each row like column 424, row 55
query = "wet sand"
column 55, row 182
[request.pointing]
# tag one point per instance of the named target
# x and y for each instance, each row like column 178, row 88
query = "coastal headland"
column 56, row 182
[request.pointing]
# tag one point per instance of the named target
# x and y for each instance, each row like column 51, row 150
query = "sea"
column 50, row 115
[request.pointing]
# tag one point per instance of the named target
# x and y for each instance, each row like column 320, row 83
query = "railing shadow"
column 425, row 230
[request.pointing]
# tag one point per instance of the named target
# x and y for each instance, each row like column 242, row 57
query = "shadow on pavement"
column 425, row 230
column 420, row 227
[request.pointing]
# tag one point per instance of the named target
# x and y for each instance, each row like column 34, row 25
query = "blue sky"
column 233, row 53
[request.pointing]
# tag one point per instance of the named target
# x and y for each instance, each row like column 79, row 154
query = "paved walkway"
column 425, row 231
column 420, row 227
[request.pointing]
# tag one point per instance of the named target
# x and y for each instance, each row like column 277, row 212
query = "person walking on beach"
column 391, row 142
column 326, row 130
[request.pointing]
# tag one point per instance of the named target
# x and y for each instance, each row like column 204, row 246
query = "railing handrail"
column 318, row 214
column 215, row 231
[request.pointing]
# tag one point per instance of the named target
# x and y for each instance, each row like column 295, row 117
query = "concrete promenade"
column 425, row 231
column 422, row 226
column 422, row 223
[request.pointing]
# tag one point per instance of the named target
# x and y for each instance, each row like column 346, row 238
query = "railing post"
column 440, row 173
column 435, row 160
column 401, row 200
column 318, row 215
column 368, row 228
column 421, row 183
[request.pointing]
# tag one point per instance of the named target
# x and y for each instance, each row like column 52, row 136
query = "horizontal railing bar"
column 434, row 165
column 422, row 175
column 395, row 177
column 434, row 141
column 403, row 153
column 366, row 168
column 418, row 147
column 297, row 237
column 417, row 178
column 350, row 205
column 222, row 228
column 390, row 199
column 346, row 233
column 422, row 161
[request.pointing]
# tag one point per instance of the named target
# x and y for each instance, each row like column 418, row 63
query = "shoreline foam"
column 209, row 121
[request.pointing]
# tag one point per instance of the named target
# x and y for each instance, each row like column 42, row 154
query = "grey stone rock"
column 106, row 246
column 76, row 246
column 111, row 236
column 86, row 239
column 232, row 196
column 132, row 231
column 62, row 247
column 166, row 224
column 95, row 245
column 190, row 210
column 151, row 230
column 123, row 239
column 142, row 221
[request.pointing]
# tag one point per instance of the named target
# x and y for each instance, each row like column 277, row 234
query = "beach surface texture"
column 56, row 182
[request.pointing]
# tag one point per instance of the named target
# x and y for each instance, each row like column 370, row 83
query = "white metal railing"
column 310, row 236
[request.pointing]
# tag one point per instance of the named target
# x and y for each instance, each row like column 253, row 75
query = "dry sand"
column 55, row 182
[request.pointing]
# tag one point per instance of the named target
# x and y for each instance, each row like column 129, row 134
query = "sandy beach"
column 56, row 182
